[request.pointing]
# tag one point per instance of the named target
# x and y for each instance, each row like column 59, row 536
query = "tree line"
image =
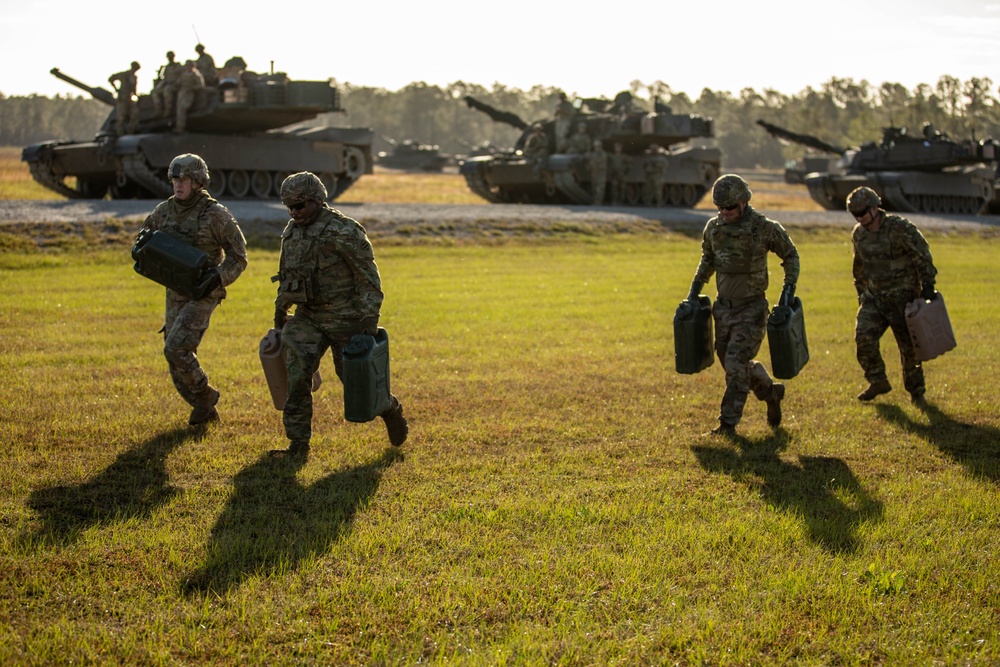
column 842, row 111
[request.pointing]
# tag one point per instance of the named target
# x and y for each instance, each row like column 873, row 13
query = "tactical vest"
column 884, row 264
column 739, row 248
column 308, row 274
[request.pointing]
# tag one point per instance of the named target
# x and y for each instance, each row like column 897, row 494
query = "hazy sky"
column 584, row 47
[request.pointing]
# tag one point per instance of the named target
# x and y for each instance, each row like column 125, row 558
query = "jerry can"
column 366, row 376
column 272, row 359
column 930, row 327
column 786, row 338
column 170, row 262
column 693, row 351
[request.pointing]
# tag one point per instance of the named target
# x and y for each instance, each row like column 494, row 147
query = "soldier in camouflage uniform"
column 206, row 66
column 192, row 216
column 656, row 175
column 597, row 166
column 619, row 164
column 126, row 113
column 565, row 112
column 327, row 271
column 734, row 246
column 892, row 267
column 536, row 148
column 165, row 89
column 188, row 85
column 580, row 142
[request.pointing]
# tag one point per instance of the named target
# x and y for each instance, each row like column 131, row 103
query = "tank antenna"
column 196, row 37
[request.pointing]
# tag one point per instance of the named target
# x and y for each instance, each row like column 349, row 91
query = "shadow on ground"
column 133, row 486
column 822, row 490
column 973, row 446
column 272, row 521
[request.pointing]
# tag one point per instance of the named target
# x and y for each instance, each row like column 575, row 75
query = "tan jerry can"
column 930, row 327
column 272, row 359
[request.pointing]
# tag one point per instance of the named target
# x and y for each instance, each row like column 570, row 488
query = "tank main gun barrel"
column 507, row 117
column 804, row 139
column 98, row 93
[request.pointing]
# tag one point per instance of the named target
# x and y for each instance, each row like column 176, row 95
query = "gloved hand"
column 370, row 325
column 927, row 291
column 695, row 291
column 280, row 318
column 210, row 280
column 787, row 295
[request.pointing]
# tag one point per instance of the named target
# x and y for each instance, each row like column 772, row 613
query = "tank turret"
column 563, row 177
column 929, row 173
column 251, row 129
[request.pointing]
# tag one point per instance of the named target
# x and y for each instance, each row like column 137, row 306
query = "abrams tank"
column 507, row 177
column 914, row 174
column 248, row 129
column 409, row 155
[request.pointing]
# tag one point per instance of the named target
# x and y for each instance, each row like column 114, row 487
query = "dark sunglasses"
column 729, row 208
column 860, row 215
column 296, row 207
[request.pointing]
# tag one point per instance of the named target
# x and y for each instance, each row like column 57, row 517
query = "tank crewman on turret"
column 892, row 267
column 192, row 216
column 618, row 164
column 188, row 85
column 565, row 112
column 580, row 142
column 734, row 246
column 327, row 270
column 536, row 148
column 206, row 65
column 656, row 167
column 165, row 89
column 126, row 113
column 597, row 167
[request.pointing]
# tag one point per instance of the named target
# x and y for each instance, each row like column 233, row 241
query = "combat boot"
column 774, row 405
column 297, row 449
column 875, row 389
column 205, row 411
column 725, row 430
column 396, row 424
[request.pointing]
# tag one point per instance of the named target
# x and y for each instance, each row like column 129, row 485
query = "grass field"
column 557, row 502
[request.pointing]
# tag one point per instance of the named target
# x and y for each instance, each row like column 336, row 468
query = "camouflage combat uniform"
column 618, row 166
column 565, row 113
column 126, row 113
column 327, row 270
column 578, row 143
column 656, row 175
column 536, row 151
column 165, row 90
column 597, row 166
column 737, row 253
column 209, row 226
column 890, row 266
column 188, row 85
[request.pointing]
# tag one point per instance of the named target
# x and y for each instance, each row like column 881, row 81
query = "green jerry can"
column 929, row 327
column 693, row 351
column 786, row 338
column 366, row 376
column 170, row 262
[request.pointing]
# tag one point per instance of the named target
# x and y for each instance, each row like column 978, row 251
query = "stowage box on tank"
column 248, row 128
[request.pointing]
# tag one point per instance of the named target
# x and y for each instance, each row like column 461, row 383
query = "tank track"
column 136, row 169
column 41, row 171
column 476, row 183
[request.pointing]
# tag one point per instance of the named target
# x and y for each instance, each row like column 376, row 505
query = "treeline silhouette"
column 842, row 112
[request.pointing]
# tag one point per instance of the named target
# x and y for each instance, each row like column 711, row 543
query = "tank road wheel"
column 354, row 162
column 216, row 183
column 633, row 194
column 260, row 184
column 674, row 194
column 330, row 181
column 239, row 183
column 690, row 195
column 279, row 178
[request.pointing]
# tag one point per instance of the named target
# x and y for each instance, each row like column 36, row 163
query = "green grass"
column 556, row 502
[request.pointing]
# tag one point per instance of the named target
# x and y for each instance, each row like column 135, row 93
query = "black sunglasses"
column 729, row 208
column 296, row 207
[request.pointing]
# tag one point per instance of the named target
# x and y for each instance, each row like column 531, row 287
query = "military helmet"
column 301, row 187
column 135, row 65
column 729, row 190
column 190, row 166
column 861, row 199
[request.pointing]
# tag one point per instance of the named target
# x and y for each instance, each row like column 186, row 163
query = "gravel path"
column 455, row 219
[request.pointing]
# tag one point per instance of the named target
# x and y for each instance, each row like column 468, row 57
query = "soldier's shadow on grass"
column 273, row 521
column 822, row 490
column 133, row 486
column 974, row 446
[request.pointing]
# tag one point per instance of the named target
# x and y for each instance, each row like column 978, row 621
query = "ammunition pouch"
column 170, row 262
column 297, row 288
